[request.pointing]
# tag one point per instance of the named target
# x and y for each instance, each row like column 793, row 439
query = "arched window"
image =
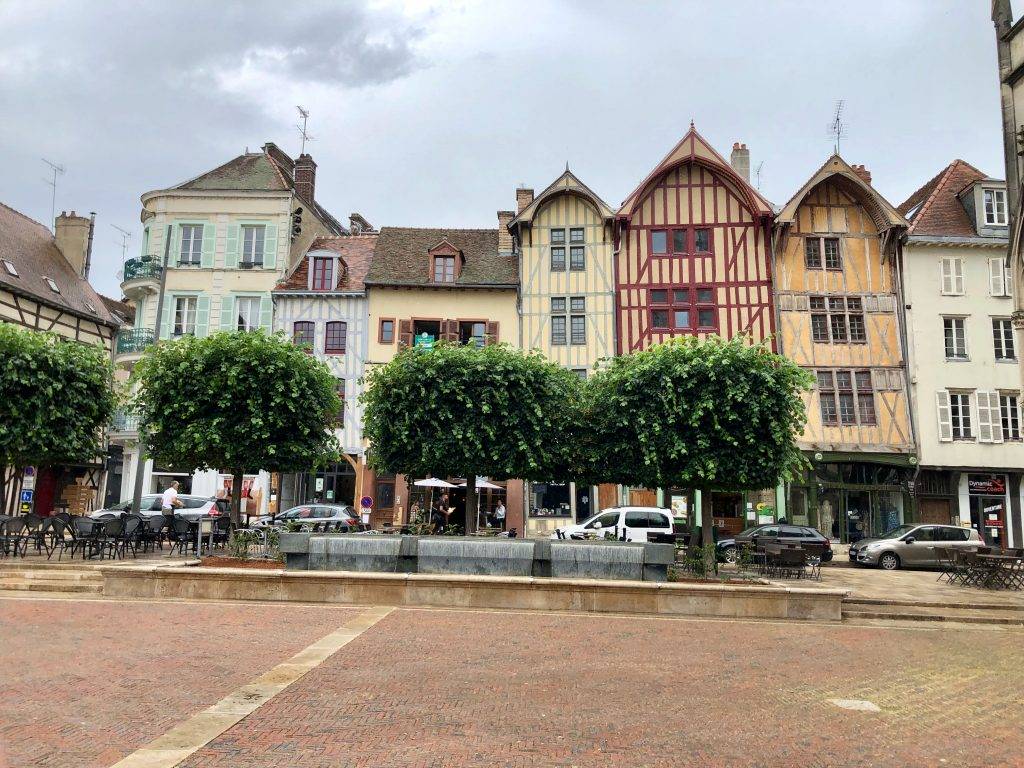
column 337, row 333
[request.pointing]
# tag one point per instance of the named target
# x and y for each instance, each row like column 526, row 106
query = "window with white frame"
column 247, row 310
column 995, row 207
column 1002, row 338
column 953, row 329
column 952, row 276
column 184, row 315
column 1000, row 278
column 252, row 244
column 960, row 415
column 190, row 250
column 1009, row 415
column 10, row 268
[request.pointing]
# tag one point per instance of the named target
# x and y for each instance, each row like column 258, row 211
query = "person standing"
column 169, row 502
column 499, row 514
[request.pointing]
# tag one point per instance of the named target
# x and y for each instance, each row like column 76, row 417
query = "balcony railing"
column 125, row 421
column 134, row 340
column 136, row 269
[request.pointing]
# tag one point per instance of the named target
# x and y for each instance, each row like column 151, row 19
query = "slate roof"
column 939, row 210
column 30, row 247
column 119, row 308
column 401, row 258
column 253, row 171
column 355, row 250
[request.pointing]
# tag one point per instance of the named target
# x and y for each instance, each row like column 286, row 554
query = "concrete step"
column 55, row 585
column 971, row 605
column 946, row 613
column 51, row 574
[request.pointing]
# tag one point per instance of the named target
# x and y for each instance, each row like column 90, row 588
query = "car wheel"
column 730, row 554
column 889, row 561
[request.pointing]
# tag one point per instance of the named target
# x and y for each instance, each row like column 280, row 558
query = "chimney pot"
column 305, row 178
column 524, row 197
column 504, row 236
column 739, row 159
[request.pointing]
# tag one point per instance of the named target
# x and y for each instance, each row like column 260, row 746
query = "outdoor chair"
column 152, row 535
column 221, row 531
column 15, row 536
column 129, row 536
column 944, row 556
column 109, row 538
column 181, row 537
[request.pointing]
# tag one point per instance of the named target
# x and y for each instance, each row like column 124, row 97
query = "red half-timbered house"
column 694, row 245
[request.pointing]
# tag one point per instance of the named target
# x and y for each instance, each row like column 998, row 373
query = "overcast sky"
column 432, row 113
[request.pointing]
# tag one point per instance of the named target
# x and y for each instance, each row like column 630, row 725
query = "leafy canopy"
column 462, row 410
column 238, row 401
column 55, row 397
column 714, row 414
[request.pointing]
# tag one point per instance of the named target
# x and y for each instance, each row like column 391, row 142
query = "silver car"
column 913, row 546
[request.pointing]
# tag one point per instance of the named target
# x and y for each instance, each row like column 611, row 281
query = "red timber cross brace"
column 693, row 252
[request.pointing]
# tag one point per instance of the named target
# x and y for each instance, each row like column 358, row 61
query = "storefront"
column 987, row 504
column 552, row 505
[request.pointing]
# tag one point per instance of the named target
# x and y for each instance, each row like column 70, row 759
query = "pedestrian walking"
column 499, row 514
column 169, row 502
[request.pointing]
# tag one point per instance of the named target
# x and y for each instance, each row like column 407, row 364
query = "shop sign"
column 986, row 485
column 424, row 341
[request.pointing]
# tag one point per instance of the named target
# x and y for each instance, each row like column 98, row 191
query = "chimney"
column 357, row 225
column 305, row 178
column 740, row 160
column 504, row 236
column 73, row 235
column 524, row 197
column 863, row 172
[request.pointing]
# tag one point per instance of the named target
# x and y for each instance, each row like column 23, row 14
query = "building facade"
column 564, row 240
column 963, row 354
column 837, row 249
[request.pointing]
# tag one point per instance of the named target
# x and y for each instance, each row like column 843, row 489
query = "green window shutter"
column 266, row 313
column 165, row 318
column 209, row 244
column 270, row 246
column 175, row 255
column 231, row 251
column 202, row 314
column 227, row 314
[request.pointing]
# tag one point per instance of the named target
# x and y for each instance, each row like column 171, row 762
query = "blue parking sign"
column 26, row 496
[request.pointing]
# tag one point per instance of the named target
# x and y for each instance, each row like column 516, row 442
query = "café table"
column 999, row 570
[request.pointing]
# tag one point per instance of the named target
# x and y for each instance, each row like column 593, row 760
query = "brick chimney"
column 740, row 160
column 863, row 172
column 305, row 178
column 357, row 225
column 524, row 197
column 73, row 235
column 504, row 236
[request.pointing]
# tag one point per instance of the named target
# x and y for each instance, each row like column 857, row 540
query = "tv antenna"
column 125, row 237
column 58, row 170
column 837, row 128
column 757, row 173
column 304, row 114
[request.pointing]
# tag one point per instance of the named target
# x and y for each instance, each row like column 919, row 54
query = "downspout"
column 781, row 489
column 88, row 247
column 904, row 329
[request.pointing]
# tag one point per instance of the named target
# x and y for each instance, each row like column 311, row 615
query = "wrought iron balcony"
column 125, row 421
column 134, row 340
column 146, row 267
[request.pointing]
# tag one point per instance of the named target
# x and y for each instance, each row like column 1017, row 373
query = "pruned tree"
column 237, row 401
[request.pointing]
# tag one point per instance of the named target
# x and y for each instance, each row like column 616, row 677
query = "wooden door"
column 935, row 511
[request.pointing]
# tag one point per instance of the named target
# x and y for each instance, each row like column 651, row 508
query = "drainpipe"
column 903, row 327
column 88, row 247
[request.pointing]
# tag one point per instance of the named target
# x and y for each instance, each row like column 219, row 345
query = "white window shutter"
column 983, row 409
column 947, row 276
column 958, row 276
column 996, row 281
column 1007, row 280
column 997, row 417
column 871, row 303
column 945, row 418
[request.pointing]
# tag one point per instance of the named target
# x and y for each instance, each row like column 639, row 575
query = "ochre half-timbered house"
column 837, row 245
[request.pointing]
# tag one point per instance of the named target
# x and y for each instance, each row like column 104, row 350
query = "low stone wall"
column 449, row 591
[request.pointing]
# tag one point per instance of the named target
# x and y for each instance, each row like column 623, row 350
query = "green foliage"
column 55, row 398
column 462, row 410
column 238, row 401
column 714, row 414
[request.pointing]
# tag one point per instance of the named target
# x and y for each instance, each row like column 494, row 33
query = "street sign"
column 366, row 502
column 28, row 480
column 25, row 508
column 26, row 494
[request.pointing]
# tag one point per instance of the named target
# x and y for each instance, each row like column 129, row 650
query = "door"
column 658, row 522
column 935, row 511
column 856, row 516
column 636, row 525
column 921, row 552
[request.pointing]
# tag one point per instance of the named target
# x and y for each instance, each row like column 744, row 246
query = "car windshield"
column 895, row 533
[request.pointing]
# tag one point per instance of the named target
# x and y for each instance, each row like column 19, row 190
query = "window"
column 1002, row 337
column 831, row 248
column 339, row 389
column 819, row 320
column 248, row 311
column 387, row 332
column 578, row 327
column 846, row 398
column 581, row 372
column 684, row 308
column 956, row 340
column 812, row 253
column 995, row 207
column 841, row 319
column 385, row 492
column 557, row 236
column 702, row 240
column 659, row 241
column 191, row 248
column 577, row 259
column 444, row 269
column 10, row 268
column 1000, row 278
column 636, row 519
column 576, row 235
column 252, row 244
column 473, row 332
column 1009, row 416
column 952, row 276
column 558, row 321
column 558, row 258
column 52, row 284
column 578, row 304
column 323, row 273
column 184, row 315
column 822, row 252
column 679, row 241
column 960, row 415
column 304, row 334
column 335, row 338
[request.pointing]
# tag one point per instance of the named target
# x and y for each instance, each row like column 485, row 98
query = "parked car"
column 727, row 550
column 912, row 546
column 636, row 523
column 312, row 513
column 194, row 507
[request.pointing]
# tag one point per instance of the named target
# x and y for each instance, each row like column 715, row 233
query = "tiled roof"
column 30, row 247
column 401, row 257
column 938, row 209
column 252, row 171
column 121, row 311
column 355, row 250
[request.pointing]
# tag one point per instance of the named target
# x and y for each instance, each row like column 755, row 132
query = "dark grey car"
column 912, row 546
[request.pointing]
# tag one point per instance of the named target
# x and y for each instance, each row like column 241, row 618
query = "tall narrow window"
column 577, row 259
column 955, row 338
column 252, row 244
column 819, row 319
column 827, row 398
column 578, row 320
column 558, row 258
column 339, row 388
column 1009, row 413
column 387, row 331
column 679, row 240
column 837, row 319
column 1000, row 278
column 323, row 273
column 865, row 398
column 702, row 240
column 191, row 246
column 830, row 246
column 812, row 253
column 659, row 241
column 444, row 269
column 558, row 321
column 855, row 319
column 335, row 337
column 995, row 207
column 1002, row 337
column 960, row 415
column 185, row 315
column 304, row 334
column 248, row 311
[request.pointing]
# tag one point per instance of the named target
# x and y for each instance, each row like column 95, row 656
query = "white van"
column 635, row 522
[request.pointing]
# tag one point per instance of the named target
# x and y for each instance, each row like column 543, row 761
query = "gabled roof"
column 356, row 251
column 252, row 171
column 31, row 248
column 121, row 311
column 694, row 148
column 936, row 207
column 567, row 183
column 881, row 211
column 401, row 258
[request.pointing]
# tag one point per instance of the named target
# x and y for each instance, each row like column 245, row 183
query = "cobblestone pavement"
column 447, row 688
column 83, row 683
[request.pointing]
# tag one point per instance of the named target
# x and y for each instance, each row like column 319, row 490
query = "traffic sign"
column 26, row 495
column 366, row 502
column 28, row 479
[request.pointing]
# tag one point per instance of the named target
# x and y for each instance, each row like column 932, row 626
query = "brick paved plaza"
column 84, row 683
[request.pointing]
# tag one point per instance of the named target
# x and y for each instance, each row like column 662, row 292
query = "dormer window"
column 323, row 273
column 52, row 284
column 995, row 207
column 444, row 269
column 10, row 268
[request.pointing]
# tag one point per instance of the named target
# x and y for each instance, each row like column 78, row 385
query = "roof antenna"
column 837, row 128
column 304, row 114
column 125, row 237
column 57, row 169
column 758, row 173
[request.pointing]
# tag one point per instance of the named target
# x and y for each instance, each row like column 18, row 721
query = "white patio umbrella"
column 481, row 482
column 432, row 483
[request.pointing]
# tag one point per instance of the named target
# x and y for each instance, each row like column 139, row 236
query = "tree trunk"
column 707, row 518
column 471, row 504
column 236, row 498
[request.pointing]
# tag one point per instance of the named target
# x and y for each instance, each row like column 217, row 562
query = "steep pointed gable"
column 936, row 206
column 567, row 183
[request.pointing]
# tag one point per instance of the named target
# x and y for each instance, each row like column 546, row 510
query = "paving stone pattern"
column 444, row 688
column 85, row 683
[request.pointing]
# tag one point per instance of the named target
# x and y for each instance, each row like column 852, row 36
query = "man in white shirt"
column 499, row 514
column 170, row 501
